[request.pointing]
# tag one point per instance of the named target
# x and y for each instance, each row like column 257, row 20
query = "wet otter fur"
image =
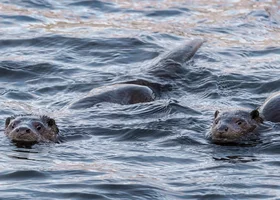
column 168, row 65
column 237, row 125
column 234, row 126
column 270, row 110
column 118, row 93
column 31, row 129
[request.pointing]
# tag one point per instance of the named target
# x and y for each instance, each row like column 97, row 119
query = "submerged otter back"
column 270, row 110
column 168, row 65
column 119, row 93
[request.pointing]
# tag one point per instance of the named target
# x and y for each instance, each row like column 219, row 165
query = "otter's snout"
column 23, row 133
column 222, row 129
column 23, row 130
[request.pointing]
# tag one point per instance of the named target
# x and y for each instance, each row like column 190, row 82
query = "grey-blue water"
column 54, row 52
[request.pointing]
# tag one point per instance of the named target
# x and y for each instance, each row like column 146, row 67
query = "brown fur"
column 233, row 126
column 30, row 128
column 270, row 110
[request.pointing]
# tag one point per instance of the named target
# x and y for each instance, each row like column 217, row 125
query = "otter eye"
column 13, row 125
column 39, row 128
column 239, row 122
column 216, row 121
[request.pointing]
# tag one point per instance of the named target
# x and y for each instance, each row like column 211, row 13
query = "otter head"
column 29, row 128
column 234, row 126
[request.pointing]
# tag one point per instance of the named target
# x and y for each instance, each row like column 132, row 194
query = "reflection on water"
column 55, row 52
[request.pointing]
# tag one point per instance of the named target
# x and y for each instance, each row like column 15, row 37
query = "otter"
column 31, row 129
column 118, row 93
column 270, row 109
column 168, row 65
column 235, row 126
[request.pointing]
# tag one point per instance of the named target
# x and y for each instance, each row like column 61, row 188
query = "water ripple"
column 54, row 52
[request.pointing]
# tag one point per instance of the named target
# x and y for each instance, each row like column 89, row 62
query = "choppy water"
column 54, row 52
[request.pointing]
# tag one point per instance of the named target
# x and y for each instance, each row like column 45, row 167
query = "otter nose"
column 23, row 130
column 223, row 129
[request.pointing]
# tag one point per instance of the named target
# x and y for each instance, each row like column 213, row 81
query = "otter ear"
column 255, row 114
column 48, row 120
column 216, row 114
column 51, row 122
column 8, row 120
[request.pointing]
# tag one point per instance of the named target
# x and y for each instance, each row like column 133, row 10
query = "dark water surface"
column 54, row 52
